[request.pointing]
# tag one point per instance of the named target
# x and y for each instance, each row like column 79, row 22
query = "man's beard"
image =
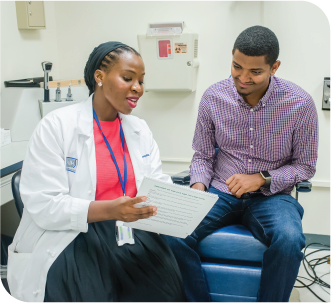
column 243, row 94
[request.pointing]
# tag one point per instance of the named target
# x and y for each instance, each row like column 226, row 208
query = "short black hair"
column 258, row 41
column 112, row 58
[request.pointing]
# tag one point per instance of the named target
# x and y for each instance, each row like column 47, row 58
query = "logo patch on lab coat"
column 71, row 164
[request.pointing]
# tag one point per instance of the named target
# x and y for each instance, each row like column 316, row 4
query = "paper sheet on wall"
column 180, row 209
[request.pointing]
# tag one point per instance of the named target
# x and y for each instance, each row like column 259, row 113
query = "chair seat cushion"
column 234, row 242
column 235, row 280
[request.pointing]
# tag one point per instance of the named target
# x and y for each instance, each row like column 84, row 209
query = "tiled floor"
column 304, row 294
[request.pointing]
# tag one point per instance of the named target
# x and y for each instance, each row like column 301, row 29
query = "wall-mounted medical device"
column 170, row 54
column 58, row 101
column 21, row 112
column 30, row 14
column 47, row 105
column 326, row 94
column 47, row 67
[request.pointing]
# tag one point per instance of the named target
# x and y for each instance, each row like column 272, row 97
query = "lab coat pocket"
column 17, row 265
column 147, row 169
column 146, row 164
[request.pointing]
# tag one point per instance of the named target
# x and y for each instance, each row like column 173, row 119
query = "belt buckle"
column 246, row 196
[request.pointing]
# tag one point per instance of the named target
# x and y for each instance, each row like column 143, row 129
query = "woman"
column 81, row 173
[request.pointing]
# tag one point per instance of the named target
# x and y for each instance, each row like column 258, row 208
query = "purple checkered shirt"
column 278, row 135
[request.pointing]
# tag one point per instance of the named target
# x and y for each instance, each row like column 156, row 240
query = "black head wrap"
column 95, row 59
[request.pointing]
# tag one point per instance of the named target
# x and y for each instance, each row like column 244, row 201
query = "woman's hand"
column 122, row 209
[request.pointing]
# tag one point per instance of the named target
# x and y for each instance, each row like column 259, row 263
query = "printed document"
column 180, row 209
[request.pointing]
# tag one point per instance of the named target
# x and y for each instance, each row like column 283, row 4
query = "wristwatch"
column 266, row 176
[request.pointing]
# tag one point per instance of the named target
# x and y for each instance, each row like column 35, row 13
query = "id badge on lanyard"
column 123, row 234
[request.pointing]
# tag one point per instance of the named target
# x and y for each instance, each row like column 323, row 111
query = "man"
column 266, row 129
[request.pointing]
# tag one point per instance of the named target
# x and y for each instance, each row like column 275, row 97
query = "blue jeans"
column 273, row 220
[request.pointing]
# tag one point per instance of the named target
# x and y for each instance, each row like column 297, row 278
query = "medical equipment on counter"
column 58, row 94
column 69, row 94
column 20, row 110
column 170, row 54
column 46, row 107
column 47, row 67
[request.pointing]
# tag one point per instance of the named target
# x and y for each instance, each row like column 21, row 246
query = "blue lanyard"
column 123, row 184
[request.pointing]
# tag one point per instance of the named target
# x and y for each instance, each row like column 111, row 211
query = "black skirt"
column 93, row 268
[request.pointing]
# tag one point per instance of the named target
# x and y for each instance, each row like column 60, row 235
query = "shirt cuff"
column 79, row 212
column 277, row 182
column 200, row 179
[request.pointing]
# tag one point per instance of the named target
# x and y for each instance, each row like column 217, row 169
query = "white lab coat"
column 56, row 200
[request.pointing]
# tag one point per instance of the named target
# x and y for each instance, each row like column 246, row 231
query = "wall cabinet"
column 30, row 14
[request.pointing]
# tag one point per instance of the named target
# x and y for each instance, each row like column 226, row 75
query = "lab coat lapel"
column 85, row 131
column 85, row 120
column 132, row 133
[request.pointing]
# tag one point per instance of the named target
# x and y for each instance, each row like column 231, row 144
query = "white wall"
column 22, row 51
column 75, row 28
column 217, row 23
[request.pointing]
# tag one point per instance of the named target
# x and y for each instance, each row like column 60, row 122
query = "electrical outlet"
column 326, row 94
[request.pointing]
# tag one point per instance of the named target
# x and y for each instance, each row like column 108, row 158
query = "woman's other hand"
column 122, row 209
column 199, row 186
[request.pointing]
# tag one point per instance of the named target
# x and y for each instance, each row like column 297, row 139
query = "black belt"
column 250, row 195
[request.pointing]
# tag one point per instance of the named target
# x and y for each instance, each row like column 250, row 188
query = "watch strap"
column 266, row 178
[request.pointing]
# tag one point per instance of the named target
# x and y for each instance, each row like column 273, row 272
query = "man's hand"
column 240, row 184
column 199, row 186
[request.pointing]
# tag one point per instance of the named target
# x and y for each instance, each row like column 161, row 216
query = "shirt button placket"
column 250, row 150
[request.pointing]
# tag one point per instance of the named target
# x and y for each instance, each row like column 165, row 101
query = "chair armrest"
column 303, row 187
column 182, row 177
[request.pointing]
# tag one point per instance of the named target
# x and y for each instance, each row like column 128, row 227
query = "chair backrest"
column 15, row 186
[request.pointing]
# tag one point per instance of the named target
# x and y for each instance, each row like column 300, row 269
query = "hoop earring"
column 100, row 84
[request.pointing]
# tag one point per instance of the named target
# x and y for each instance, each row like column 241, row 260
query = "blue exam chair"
column 232, row 258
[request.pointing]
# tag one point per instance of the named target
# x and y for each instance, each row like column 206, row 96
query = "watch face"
column 266, row 174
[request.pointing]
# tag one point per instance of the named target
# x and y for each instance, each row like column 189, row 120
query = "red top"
column 108, row 183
